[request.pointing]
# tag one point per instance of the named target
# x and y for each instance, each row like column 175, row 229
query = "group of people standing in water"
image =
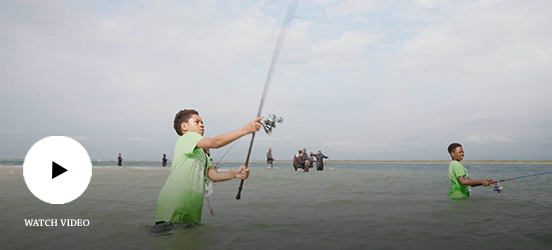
column 303, row 161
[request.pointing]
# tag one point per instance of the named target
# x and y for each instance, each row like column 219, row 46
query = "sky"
column 359, row 80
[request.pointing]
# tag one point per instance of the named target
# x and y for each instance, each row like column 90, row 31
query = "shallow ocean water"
column 346, row 206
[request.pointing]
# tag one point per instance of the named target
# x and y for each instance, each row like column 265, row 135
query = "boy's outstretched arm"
column 470, row 182
column 225, row 139
column 241, row 173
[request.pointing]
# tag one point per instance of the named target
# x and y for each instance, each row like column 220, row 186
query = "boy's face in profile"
column 194, row 124
column 457, row 154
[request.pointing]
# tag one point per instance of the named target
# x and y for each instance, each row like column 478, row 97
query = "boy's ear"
column 183, row 127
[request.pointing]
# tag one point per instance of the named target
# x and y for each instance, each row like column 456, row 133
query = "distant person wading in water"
column 311, row 158
column 299, row 163
column 164, row 160
column 269, row 158
column 119, row 160
column 320, row 161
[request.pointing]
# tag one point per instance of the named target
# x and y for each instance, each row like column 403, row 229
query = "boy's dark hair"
column 453, row 146
column 183, row 116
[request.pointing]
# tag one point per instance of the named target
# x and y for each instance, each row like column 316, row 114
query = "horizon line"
column 357, row 161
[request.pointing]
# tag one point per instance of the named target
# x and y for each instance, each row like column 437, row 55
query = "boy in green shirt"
column 458, row 175
column 181, row 199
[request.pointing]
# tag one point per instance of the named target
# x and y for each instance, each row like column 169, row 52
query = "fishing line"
column 333, row 148
column 209, row 187
column 216, row 164
column 279, row 44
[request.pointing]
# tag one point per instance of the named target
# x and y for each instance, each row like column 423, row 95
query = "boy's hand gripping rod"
column 279, row 45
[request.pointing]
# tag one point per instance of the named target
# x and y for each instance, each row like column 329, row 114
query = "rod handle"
column 238, row 196
column 477, row 185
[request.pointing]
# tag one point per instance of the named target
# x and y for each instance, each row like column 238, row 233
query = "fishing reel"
column 270, row 123
column 497, row 188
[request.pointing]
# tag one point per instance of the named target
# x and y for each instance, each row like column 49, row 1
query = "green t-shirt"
column 181, row 199
column 457, row 190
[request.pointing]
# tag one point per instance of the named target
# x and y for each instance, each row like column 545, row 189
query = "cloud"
column 467, row 37
column 499, row 138
column 143, row 139
column 144, row 131
column 489, row 138
column 356, row 6
column 474, row 138
column 368, row 73
column 344, row 53
column 429, row 4
column 274, row 138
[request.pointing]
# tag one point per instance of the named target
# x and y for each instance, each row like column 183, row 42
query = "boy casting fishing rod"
column 181, row 199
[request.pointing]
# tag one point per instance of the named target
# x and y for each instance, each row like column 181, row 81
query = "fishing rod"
column 498, row 188
column 279, row 44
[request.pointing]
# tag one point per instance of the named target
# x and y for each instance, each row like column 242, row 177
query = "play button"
column 57, row 169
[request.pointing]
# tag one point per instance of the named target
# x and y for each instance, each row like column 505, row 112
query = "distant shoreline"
column 417, row 162
column 366, row 161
